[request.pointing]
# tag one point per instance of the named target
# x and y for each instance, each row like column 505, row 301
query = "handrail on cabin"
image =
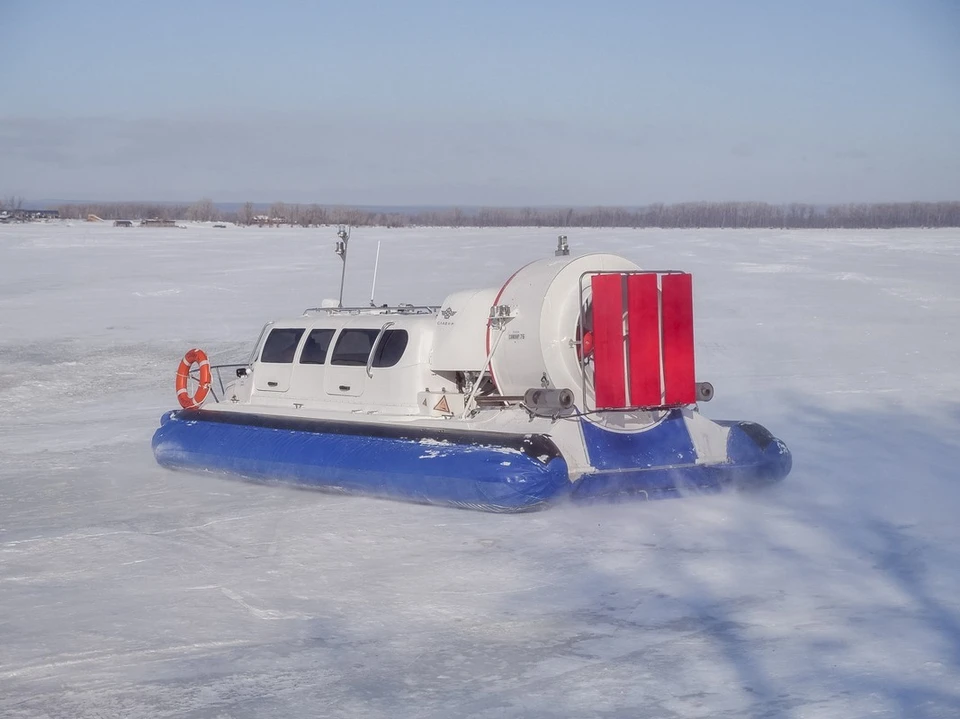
column 376, row 344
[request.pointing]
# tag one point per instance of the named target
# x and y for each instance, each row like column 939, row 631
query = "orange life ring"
column 192, row 357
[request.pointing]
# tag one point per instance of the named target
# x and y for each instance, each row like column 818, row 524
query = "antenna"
column 376, row 266
column 562, row 247
column 343, row 237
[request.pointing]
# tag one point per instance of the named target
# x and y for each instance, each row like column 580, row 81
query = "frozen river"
column 130, row 591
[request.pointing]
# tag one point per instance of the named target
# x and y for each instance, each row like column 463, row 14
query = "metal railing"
column 217, row 370
column 382, row 310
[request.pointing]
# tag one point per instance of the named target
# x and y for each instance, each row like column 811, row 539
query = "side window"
column 353, row 347
column 315, row 348
column 281, row 345
column 391, row 348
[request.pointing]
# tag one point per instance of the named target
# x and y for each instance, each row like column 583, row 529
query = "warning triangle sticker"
column 442, row 405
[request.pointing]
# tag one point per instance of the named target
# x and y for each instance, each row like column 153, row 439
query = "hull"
column 487, row 471
column 495, row 472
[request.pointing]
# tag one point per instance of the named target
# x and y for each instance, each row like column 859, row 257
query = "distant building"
column 28, row 215
column 156, row 222
column 267, row 220
column 122, row 223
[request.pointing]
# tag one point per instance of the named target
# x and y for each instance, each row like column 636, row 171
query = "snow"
column 127, row 590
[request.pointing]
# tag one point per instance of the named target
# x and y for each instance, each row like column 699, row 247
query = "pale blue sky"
column 508, row 103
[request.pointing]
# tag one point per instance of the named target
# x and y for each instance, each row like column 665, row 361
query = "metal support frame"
column 471, row 397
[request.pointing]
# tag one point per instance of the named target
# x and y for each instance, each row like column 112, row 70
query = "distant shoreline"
column 685, row 215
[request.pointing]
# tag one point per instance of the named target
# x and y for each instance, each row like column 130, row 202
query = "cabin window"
column 353, row 347
column 281, row 345
column 315, row 348
column 391, row 348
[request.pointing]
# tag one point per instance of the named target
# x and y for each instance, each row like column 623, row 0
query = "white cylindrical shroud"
column 537, row 345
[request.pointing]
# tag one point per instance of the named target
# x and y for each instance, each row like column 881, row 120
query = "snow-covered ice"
column 130, row 591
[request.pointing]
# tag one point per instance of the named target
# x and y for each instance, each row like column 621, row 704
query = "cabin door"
column 272, row 372
column 346, row 373
column 345, row 381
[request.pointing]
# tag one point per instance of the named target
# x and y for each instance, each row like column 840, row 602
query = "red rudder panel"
column 679, row 372
column 643, row 329
column 608, row 366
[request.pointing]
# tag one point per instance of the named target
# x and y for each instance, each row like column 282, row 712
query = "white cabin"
column 378, row 360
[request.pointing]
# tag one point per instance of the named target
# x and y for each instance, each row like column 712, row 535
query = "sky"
column 529, row 102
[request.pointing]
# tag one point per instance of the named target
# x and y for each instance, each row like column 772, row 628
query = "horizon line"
column 465, row 206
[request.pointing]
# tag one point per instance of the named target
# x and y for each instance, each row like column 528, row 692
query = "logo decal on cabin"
column 448, row 313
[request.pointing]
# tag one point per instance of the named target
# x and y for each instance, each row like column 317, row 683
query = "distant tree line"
column 11, row 203
column 123, row 211
column 682, row 215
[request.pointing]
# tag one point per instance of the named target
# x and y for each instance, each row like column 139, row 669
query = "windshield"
column 256, row 347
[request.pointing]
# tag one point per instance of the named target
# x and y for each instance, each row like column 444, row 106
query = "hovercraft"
column 573, row 380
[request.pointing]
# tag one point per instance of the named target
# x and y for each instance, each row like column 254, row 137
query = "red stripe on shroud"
column 679, row 372
column 609, row 378
column 643, row 330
